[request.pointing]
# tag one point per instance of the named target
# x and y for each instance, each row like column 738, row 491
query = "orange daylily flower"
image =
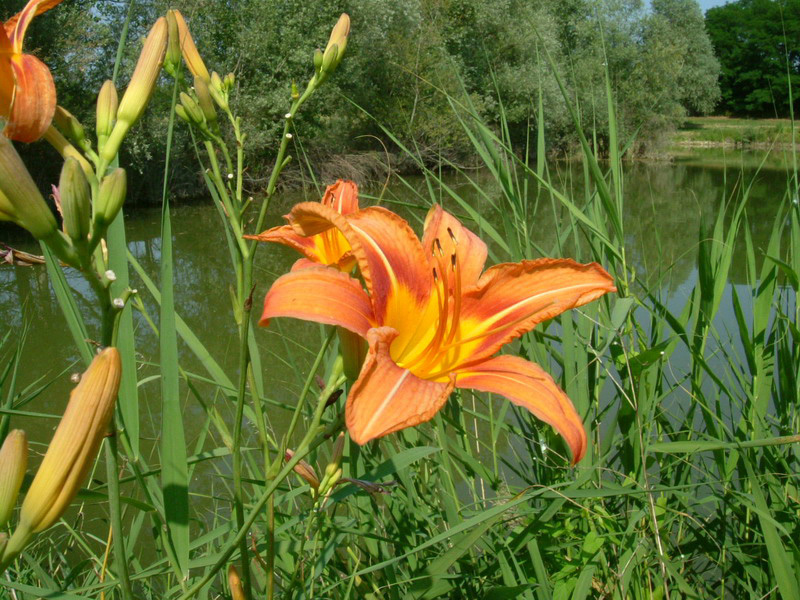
column 27, row 90
column 328, row 247
column 433, row 319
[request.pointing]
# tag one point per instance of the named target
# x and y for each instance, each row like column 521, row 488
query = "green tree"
column 758, row 45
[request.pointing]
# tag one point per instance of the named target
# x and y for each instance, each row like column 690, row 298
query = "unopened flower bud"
column 107, row 103
column 229, row 82
column 75, row 201
column 69, row 126
column 181, row 112
column 235, row 583
column 113, row 189
column 305, row 471
column 20, row 199
column 218, row 91
column 13, row 462
column 204, row 100
column 317, row 60
column 143, row 80
column 193, row 61
column 74, row 447
column 192, row 109
column 139, row 89
column 172, row 58
column 337, row 43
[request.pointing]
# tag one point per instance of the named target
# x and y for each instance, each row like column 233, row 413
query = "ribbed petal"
column 390, row 257
column 320, row 294
column 456, row 239
column 327, row 248
column 34, row 99
column 512, row 298
column 20, row 21
column 342, row 197
column 386, row 398
column 527, row 385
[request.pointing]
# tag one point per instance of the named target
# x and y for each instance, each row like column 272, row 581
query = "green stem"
column 312, row 439
column 115, row 514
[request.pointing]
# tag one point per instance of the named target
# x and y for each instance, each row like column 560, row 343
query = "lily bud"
column 235, row 583
column 196, row 65
column 218, row 91
column 229, row 82
column 143, row 80
column 172, row 59
column 205, row 102
column 20, row 199
column 69, row 126
column 318, row 61
column 337, row 43
column 107, row 103
column 113, row 189
column 305, row 471
column 74, row 447
column 181, row 112
column 13, row 462
column 192, row 109
column 75, row 201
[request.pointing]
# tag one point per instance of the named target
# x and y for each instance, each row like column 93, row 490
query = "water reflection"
column 665, row 206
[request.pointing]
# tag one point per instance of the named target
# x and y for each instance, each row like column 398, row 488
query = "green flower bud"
column 218, row 91
column 172, row 59
column 229, row 82
column 113, row 189
column 75, row 201
column 107, row 102
column 69, row 126
column 20, row 199
column 192, row 109
column 317, row 61
column 181, row 112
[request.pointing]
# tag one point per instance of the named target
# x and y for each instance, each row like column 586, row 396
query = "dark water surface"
column 665, row 205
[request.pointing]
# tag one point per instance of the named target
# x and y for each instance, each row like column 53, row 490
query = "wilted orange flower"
column 432, row 319
column 27, row 91
column 328, row 247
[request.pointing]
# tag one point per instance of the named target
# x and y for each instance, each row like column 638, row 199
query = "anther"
column 453, row 261
column 452, row 236
column 439, row 246
column 435, row 276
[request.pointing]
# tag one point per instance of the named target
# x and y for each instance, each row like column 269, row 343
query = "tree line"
column 412, row 68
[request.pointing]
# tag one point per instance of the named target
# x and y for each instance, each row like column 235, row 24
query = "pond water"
column 665, row 205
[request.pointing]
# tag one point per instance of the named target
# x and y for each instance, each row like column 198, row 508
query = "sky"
column 706, row 4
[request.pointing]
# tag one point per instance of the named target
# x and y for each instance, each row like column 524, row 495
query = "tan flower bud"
column 235, row 583
column 337, row 43
column 74, row 447
column 304, row 470
column 196, row 65
column 143, row 80
column 107, row 103
column 75, row 201
column 20, row 199
column 13, row 462
column 113, row 189
column 205, row 101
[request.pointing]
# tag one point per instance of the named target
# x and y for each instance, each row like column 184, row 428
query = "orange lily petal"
column 6, row 74
column 387, row 398
column 327, row 248
column 320, row 294
column 23, row 17
column 529, row 386
column 455, row 239
column 342, row 196
column 389, row 255
column 511, row 298
column 34, row 100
